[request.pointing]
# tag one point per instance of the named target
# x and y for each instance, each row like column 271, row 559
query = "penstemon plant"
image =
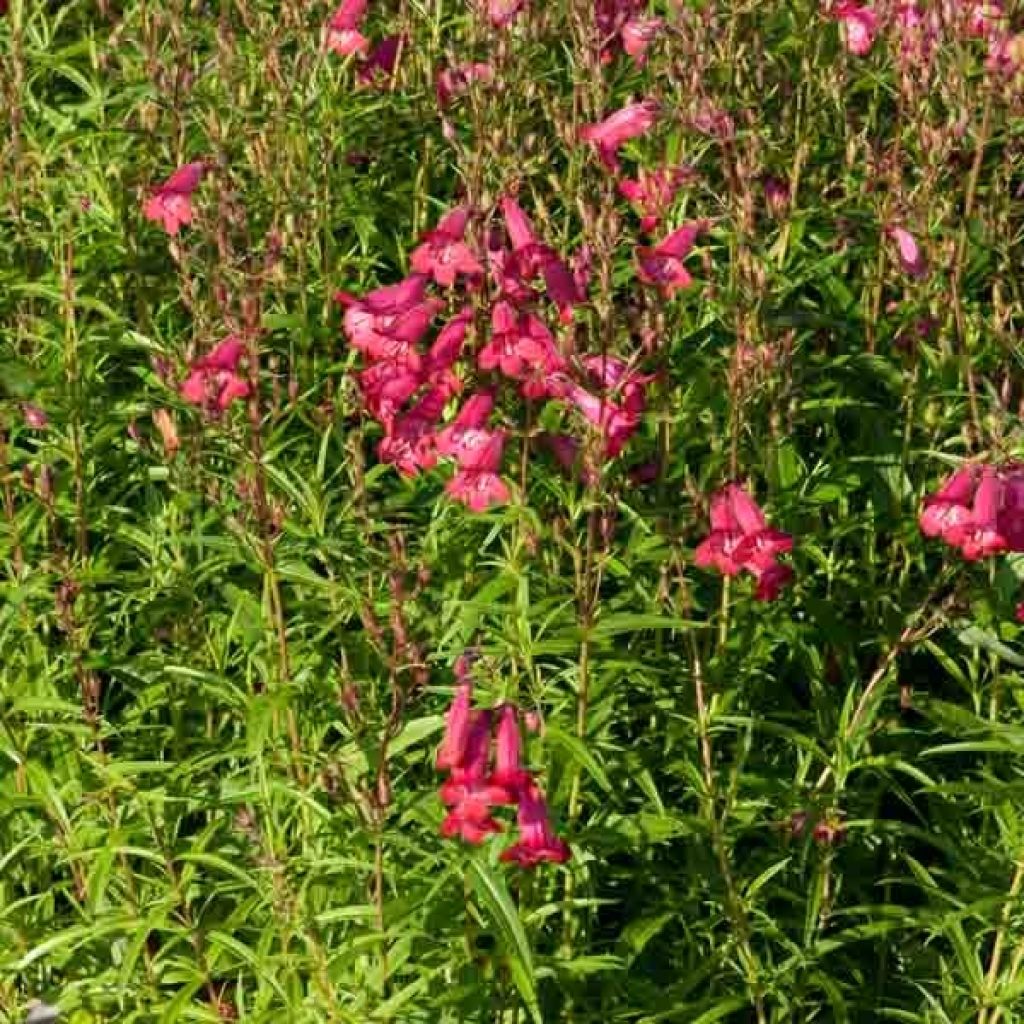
column 511, row 512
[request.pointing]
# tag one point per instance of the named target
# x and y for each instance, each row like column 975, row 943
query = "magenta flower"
column 213, row 381
column 609, row 135
column 859, row 26
column 651, row 193
column 386, row 386
column 444, row 254
column 381, row 60
column 1011, row 514
column 661, row 265
column 615, row 423
column 171, row 203
column 616, row 375
column 771, row 579
column 343, row 35
column 909, row 253
column 34, row 417
column 537, row 842
column 986, row 19
column 508, row 769
column 478, row 490
column 456, row 728
column 467, row 790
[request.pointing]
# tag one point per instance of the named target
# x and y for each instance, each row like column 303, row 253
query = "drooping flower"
column 859, row 25
column 213, row 381
column 343, row 35
column 444, row 254
column 171, row 203
column 523, row 349
column 616, row 423
column 508, row 769
column 661, row 265
column 537, row 841
column 409, row 443
column 609, row 135
column 456, row 728
column 467, row 791
column 477, row 489
column 979, row 536
column 910, row 255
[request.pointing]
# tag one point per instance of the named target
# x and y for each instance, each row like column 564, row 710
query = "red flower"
column 979, row 536
column 537, row 842
column 478, row 490
column 608, row 136
column 522, row 348
column 508, row 770
column 409, row 443
column 171, row 202
column 456, row 728
column 950, row 507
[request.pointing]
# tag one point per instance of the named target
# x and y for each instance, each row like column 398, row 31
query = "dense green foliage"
column 225, row 656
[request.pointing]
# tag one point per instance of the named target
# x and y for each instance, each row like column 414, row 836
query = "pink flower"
column 859, row 26
column 1018, row 612
column 444, row 255
column 386, row 386
column 34, row 417
column 637, row 35
column 409, row 443
column 448, row 344
column 478, row 490
column 979, row 537
column 343, row 35
column 950, row 507
column 741, row 539
column 615, row 374
column 387, row 322
column 467, row 790
column 522, row 348
column 537, row 842
column 652, row 192
column 566, row 450
column 662, row 264
column 1011, row 515
column 453, row 81
column 608, row 136
column 909, row 253
column 471, row 418
column 501, row 13
column 213, row 381
column 171, row 203
column 381, row 60
column 776, row 195
column 986, row 19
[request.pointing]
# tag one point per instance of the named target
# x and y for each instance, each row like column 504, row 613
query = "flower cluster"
column 979, row 509
column 741, row 539
column 213, row 381
column 477, row 782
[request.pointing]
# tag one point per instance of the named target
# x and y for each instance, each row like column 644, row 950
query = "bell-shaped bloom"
column 979, row 536
column 343, row 35
column 467, row 791
column 609, row 135
column 651, row 193
column 382, row 60
column 171, row 203
column 741, row 540
column 502, row 13
column 443, row 254
column 637, row 35
column 661, row 265
column 388, row 322
column 567, row 452
column 562, row 287
column 453, row 81
column 859, row 25
column 615, row 375
column 537, row 841
column 508, row 769
column 909, row 253
column 456, row 728
column 520, row 346
column 950, row 507
column 213, row 381
column 466, row 438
